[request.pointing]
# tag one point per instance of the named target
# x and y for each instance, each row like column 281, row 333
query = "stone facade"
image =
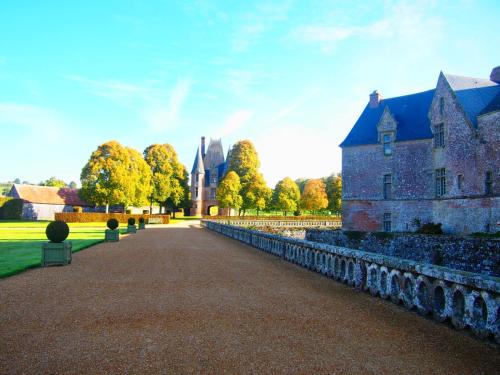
column 427, row 157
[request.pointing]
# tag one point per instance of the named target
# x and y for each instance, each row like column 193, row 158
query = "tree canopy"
column 228, row 192
column 334, row 192
column 286, row 195
column 255, row 193
column 53, row 182
column 115, row 175
column 314, row 196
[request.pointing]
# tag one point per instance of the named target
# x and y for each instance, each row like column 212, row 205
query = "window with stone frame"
column 387, row 143
column 387, row 223
column 196, row 192
column 460, row 182
column 387, row 186
column 440, row 182
column 441, row 106
column 439, row 135
column 488, row 183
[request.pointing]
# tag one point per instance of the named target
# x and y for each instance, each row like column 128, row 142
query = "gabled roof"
column 214, row 155
column 493, row 106
column 410, row 112
column 47, row 195
column 198, row 163
column 473, row 94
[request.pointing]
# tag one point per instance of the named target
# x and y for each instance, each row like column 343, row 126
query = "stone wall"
column 467, row 254
column 467, row 299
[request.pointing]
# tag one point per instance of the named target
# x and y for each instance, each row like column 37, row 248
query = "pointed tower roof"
column 215, row 154
column 198, row 163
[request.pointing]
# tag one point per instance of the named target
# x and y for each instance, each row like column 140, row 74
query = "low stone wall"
column 280, row 223
column 477, row 255
column 466, row 299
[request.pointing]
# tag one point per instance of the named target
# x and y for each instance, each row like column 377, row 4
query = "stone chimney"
column 495, row 75
column 203, row 147
column 375, row 99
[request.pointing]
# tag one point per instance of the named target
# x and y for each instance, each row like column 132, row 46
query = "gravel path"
column 181, row 299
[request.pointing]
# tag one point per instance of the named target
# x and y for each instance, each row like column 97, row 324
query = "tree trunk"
column 107, row 208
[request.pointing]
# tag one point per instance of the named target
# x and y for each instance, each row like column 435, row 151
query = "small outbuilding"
column 42, row 202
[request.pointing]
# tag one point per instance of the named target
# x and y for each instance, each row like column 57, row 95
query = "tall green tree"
column 228, row 192
column 54, row 182
column 334, row 192
column 286, row 196
column 169, row 176
column 314, row 197
column 301, row 183
column 115, row 175
column 255, row 193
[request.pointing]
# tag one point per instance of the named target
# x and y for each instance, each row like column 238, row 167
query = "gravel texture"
column 181, row 299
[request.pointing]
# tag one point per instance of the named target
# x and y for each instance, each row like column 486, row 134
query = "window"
column 460, row 181
column 387, row 222
column 387, row 186
column 488, row 183
column 386, row 140
column 196, row 192
column 441, row 106
column 440, row 182
column 439, row 135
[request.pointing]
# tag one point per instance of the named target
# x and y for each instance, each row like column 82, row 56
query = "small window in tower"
column 460, row 182
column 488, row 188
column 387, row 139
column 196, row 192
column 387, row 222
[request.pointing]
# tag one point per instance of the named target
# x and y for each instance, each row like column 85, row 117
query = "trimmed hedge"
column 280, row 218
column 11, row 208
column 92, row 217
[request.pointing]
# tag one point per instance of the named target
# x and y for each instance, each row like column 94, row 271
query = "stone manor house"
column 208, row 170
column 432, row 156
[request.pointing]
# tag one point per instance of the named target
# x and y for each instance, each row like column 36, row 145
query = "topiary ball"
column 57, row 231
column 131, row 221
column 141, row 220
column 112, row 224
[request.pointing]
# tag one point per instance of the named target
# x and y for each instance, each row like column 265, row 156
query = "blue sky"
column 292, row 76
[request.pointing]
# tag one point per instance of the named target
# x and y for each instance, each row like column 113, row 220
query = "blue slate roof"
column 493, row 106
column 410, row 112
column 198, row 163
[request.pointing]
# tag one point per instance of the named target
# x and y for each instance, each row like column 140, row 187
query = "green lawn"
column 20, row 242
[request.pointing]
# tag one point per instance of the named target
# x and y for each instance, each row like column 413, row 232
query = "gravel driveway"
column 181, row 299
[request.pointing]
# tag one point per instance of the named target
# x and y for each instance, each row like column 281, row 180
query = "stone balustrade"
column 280, row 223
column 466, row 299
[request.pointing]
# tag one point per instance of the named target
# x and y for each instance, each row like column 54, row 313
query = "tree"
column 301, row 183
column 255, row 193
column 17, row 181
column 53, row 182
column 228, row 192
column 72, row 185
column 115, row 175
column 286, row 195
column 169, row 176
column 243, row 160
column 314, row 196
column 334, row 192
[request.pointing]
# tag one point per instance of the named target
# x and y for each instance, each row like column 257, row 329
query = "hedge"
column 280, row 218
column 91, row 217
column 11, row 208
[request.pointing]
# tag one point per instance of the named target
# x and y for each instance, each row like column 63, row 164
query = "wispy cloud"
column 161, row 118
column 292, row 107
column 235, row 122
column 37, row 121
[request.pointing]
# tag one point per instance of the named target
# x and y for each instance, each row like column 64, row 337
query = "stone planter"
column 142, row 226
column 131, row 229
column 56, row 253
column 112, row 235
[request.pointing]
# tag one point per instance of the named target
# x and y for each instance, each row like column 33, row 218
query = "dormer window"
column 387, row 143
column 439, row 135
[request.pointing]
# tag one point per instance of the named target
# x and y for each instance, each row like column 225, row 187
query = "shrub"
column 112, row 223
column 430, row 228
column 383, row 235
column 297, row 213
column 145, row 212
column 141, row 220
column 57, row 231
column 131, row 221
column 128, row 212
column 12, row 209
column 77, row 209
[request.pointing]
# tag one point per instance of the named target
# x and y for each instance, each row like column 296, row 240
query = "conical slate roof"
column 198, row 163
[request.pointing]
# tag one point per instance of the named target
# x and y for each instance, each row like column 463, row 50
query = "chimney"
column 495, row 75
column 375, row 99
column 203, row 147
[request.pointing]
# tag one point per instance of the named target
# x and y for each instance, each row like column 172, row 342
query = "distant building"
column 432, row 156
column 208, row 170
column 42, row 202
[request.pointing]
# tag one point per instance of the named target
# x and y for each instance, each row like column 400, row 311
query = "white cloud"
column 298, row 103
column 39, row 122
column 234, row 122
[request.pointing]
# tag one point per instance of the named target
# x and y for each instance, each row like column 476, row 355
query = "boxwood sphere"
column 112, row 224
column 131, row 221
column 57, row 231
column 141, row 220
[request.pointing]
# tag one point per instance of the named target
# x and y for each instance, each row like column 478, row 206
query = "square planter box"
column 131, row 229
column 56, row 253
column 112, row 235
column 142, row 226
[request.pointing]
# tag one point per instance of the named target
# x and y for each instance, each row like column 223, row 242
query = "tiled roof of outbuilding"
column 49, row 195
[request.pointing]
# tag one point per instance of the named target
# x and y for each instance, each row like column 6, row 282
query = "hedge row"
column 90, row 217
column 280, row 218
column 11, row 208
